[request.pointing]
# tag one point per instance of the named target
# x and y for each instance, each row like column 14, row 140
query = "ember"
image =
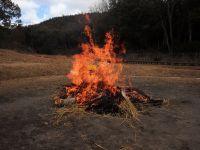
column 94, row 75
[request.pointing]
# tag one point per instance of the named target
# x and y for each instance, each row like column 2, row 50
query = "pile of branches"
column 125, row 100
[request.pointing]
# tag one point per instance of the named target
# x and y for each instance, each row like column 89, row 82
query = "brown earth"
column 28, row 81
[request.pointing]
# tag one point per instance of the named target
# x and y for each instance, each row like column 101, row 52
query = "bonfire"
column 94, row 75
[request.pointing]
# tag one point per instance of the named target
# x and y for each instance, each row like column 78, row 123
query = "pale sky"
column 36, row 11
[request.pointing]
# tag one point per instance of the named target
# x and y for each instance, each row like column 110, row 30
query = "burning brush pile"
column 94, row 75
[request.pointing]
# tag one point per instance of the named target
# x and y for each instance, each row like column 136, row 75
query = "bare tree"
column 166, row 10
column 102, row 6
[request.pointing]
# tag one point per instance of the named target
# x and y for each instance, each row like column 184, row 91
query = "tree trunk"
column 190, row 31
column 170, row 15
column 166, row 36
column 171, row 34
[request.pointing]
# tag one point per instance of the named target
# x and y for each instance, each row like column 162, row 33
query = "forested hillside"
column 166, row 26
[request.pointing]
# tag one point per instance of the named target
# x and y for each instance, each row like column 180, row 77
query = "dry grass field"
column 27, row 82
column 18, row 65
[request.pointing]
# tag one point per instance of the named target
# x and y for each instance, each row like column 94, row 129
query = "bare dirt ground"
column 27, row 83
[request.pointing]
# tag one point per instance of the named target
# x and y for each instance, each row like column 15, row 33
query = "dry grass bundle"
column 61, row 112
column 127, row 107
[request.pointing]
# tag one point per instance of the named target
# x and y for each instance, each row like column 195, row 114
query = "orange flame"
column 95, row 69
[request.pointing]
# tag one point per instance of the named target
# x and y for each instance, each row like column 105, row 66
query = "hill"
column 56, row 35
column 141, row 35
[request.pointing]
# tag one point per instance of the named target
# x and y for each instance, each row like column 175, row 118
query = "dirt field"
column 27, row 83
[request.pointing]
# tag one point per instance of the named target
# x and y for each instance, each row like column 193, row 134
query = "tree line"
column 167, row 26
